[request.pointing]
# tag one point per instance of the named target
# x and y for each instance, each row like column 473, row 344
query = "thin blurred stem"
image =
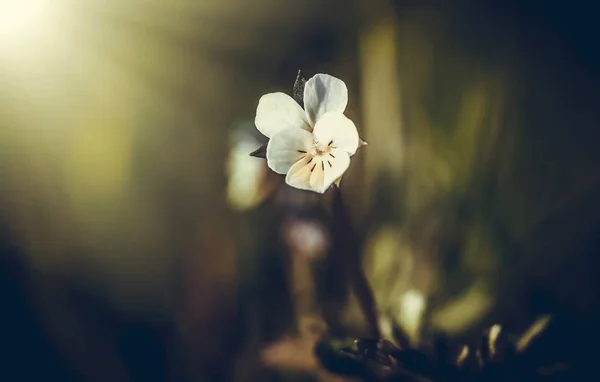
column 350, row 260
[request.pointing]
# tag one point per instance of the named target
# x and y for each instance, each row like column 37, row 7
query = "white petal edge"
column 319, row 173
column 324, row 93
column 288, row 147
column 278, row 111
column 339, row 130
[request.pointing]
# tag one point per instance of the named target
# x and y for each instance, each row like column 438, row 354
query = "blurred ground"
column 139, row 243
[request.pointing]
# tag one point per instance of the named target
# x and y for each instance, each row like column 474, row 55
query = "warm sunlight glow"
column 21, row 19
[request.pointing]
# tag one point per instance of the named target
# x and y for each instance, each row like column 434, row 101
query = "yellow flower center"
column 320, row 148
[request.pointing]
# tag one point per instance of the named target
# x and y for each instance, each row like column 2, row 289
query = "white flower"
column 312, row 146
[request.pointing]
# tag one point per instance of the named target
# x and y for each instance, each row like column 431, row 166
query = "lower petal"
column 319, row 173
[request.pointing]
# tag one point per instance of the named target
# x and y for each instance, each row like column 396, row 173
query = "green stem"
column 350, row 261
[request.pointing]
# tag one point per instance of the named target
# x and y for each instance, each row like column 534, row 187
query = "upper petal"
column 287, row 147
column 278, row 111
column 318, row 174
column 338, row 131
column 323, row 93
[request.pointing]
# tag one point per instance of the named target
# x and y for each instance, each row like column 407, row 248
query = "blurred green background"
column 140, row 242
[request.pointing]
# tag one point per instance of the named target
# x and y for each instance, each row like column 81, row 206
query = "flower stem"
column 350, row 260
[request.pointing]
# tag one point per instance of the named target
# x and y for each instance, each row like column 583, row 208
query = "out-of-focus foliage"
column 474, row 173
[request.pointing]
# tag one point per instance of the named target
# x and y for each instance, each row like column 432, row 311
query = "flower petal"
column 288, row 147
column 339, row 130
column 278, row 111
column 323, row 93
column 319, row 173
column 299, row 175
